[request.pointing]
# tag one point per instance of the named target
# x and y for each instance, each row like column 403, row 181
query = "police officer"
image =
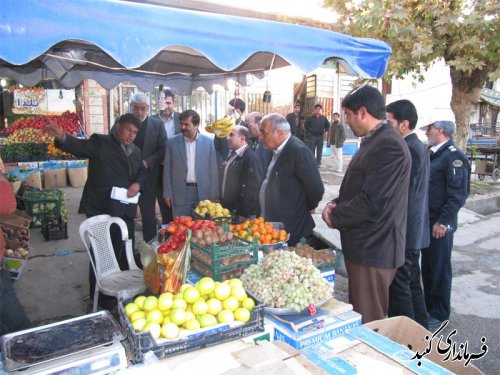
column 449, row 187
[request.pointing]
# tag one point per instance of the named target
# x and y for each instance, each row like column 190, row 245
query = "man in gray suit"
column 190, row 173
column 406, row 296
column 172, row 125
column 151, row 139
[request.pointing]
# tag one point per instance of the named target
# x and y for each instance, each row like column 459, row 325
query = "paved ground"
column 54, row 284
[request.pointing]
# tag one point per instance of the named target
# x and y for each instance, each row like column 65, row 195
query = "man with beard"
column 190, row 173
column 170, row 120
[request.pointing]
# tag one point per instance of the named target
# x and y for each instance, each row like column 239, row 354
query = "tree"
column 465, row 33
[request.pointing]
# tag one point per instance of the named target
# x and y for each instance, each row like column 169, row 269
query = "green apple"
column 139, row 324
column 137, row 315
column 207, row 320
column 153, row 328
column 230, row 303
column 222, row 291
column 235, row 282
column 177, row 316
column 139, row 301
column 155, row 316
column 191, row 294
column 170, row 331
column 184, row 287
column 150, row 303
column 200, row 307
column 248, row 303
column 190, row 315
column 192, row 325
column 239, row 292
column 214, row 306
column 165, row 301
column 178, row 296
column 241, row 314
column 225, row 316
column 131, row 308
column 179, row 304
column 206, row 285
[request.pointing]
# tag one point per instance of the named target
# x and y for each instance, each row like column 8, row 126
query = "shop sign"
column 30, row 101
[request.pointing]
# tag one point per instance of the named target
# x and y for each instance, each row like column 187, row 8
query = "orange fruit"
column 268, row 238
column 238, row 228
column 243, row 234
column 275, row 234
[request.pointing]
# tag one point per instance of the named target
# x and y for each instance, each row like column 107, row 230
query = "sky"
column 295, row 8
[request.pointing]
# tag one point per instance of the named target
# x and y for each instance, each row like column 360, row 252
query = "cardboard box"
column 412, row 335
column 363, row 351
column 337, row 324
column 34, row 180
column 54, row 178
column 330, row 276
column 77, row 176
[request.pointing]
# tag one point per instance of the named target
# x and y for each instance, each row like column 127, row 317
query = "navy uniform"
column 449, row 187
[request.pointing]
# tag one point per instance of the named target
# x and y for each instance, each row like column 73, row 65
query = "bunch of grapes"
column 284, row 279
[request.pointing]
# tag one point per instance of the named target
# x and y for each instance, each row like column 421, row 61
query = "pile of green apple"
column 205, row 304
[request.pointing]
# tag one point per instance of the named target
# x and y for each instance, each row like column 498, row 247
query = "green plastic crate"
column 216, row 261
column 44, row 203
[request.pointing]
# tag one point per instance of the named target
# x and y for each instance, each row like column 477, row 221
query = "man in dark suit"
column 294, row 120
column 114, row 161
column 449, row 187
column 241, row 175
column 316, row 126
column 151, row 139
column 370, row 211
column 292, row 187
column 236, row 109
column 252, row 122
column 172, row 125
column 405, row 294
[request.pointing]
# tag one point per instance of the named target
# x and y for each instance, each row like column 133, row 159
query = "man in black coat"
column 151, row 139
column 114, row 161
column 449, row 187
column 236, row 110
column 252, row 122
column 405, row 294
column 316, row 126
column 371, row 209
column 172, row 126
column 241, row 175
column 292, row 187
column 294, row 120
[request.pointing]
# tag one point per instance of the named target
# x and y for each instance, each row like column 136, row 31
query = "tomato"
column 172, row 228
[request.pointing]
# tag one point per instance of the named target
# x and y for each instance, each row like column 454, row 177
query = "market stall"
column 193, row 49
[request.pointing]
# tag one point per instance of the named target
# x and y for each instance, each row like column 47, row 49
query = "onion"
column 208, row 239
column 220, row 230
column 202, row 242
column 215, row 238
column 230, row 236
column 198, row 233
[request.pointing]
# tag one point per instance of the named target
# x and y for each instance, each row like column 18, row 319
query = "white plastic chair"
column 110, row 280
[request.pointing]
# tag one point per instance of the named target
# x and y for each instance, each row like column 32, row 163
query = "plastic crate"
column 141, row 343
column 217, row 260
column 219, row 220
column 42, row 203
column 54, row 229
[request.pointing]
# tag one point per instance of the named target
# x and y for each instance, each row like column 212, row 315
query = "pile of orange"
column 258, row 228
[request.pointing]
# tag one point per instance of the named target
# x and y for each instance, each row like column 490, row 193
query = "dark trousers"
column 405, row 293
column 437, row 275
column 316, row 144
column 147, row 203
column 108, row 302
column 166, row 212
column 369, row 289
column 13, row 318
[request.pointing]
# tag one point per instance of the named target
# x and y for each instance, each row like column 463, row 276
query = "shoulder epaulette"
column 452, row 148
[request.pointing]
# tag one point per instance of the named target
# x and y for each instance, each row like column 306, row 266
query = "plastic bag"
column 174, row 267
column 150, row 267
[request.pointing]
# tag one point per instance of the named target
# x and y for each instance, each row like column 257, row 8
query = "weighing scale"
column 90, row 344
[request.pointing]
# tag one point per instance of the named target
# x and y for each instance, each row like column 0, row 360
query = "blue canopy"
column 112, row 41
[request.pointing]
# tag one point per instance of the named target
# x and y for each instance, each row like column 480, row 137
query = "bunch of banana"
column 222, row 127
